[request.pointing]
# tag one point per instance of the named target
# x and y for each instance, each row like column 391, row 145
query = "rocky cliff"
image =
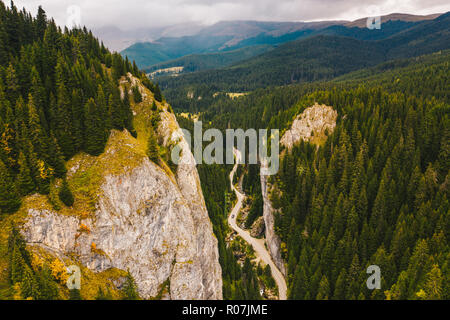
column 313, row 125
column 272, row 240
column 141, row 216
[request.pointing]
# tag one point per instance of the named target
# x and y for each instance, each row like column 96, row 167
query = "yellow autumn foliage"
column 59, row 270
column 84, row 228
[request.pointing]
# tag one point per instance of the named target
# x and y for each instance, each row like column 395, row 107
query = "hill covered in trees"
column 318, row 58
column 206, row 61
column 227, row 36
column 62, row 93
column 376, row 192
column 59, row 96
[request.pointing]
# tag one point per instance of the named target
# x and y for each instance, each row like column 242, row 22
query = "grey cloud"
column 133, row 14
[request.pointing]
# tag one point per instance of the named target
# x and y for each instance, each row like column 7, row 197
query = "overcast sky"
column 131, row 14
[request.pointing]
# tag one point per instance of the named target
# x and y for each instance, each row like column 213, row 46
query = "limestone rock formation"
column 312, row 124
column 147, row 219
column 272, row 240
column 257, row 228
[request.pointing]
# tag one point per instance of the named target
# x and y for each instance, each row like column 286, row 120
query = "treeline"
column 59, row 95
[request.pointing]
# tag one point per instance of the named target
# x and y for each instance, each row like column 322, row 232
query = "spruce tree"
column 48, row 288
column 158, row 95
column 41, row 23
column 65, row 195
column 116, row 111
column 127, row 114
column 129, row 290
column 9, row 197
column 3, row 44
column 137, row 94
column 64, row 120
column 25, row 181
column 75, row 294
column 152, row 147
column 94, row 129
column 29, row 286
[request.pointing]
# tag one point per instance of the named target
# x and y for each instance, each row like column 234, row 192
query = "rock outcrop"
column 257, row 228
column 147, row 220
column 272, row 240
column 313, row 125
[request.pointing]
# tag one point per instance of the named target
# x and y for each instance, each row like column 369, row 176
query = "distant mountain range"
column 182, row 40
column 322, row 56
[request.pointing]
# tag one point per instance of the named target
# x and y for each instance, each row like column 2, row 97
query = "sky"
column 134, row 14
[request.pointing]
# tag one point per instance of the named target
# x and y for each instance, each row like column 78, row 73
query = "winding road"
column 257, row 244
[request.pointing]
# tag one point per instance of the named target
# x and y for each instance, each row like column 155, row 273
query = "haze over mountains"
column 157, row 46
column 323, row 55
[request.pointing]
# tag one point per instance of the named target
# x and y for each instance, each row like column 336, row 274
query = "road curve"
column 257, row 244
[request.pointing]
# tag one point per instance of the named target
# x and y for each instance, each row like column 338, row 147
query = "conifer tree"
column 75, row 294
column 152, row 147
column 77, row 120
column 324, row 289
column 158, row 95
column 65, row 195
column 48, row 288
column 29, row 285
column 129, row 290
column 63, row 122
column 41, row 23
column 128, row 115
column 94, row 129
column 137, row 94
column 25, row 183
column 115, row 111
column 9, row 197
column 36, row 132
column 17, row 265
column 3, row 44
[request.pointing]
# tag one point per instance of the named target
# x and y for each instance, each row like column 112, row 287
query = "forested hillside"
column 206, row 61
column 376, row 192
column 317, row 58
column 59, row 96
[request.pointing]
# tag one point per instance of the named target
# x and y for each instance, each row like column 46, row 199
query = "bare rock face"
column 143, row 224
column 257, row 228
column 148, row 221
column 272, row 240
column 311, row 125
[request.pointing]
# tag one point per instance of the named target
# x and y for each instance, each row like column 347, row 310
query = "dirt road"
column 257, row 244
